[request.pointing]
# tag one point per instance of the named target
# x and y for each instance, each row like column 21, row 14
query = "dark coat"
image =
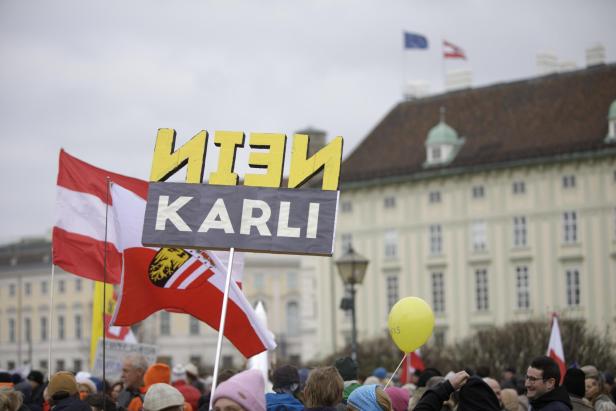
column 71, row 404
column 282, row 402
column 475, row 395
column 555, row 400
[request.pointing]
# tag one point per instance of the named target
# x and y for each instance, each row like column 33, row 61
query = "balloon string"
column 394, row 373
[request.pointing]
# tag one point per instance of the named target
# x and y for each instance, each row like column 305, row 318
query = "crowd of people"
column 158, row 387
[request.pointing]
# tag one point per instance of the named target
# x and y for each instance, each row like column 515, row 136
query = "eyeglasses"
column 533, row 379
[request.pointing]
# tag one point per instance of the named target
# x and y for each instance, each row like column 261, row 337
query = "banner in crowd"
column 115, row 352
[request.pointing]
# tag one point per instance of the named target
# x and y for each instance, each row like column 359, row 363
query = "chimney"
column 317, row 139
column 595, row 55
column 567, row 66
column 458, row 79
column 416, row 89
column 547, row 63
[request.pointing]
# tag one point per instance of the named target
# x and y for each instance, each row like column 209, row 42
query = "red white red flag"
column 451, row 51
column 555, row 348
column 412, row 363
column 178, row 280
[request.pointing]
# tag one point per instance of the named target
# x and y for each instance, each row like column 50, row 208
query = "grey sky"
column 99, row 78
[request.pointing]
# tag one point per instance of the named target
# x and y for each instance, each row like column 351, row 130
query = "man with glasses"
column 543, row 387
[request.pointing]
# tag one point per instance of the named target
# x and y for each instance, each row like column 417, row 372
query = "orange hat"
column 156, row 373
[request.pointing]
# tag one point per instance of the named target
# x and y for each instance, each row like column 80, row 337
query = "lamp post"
column 352, row 269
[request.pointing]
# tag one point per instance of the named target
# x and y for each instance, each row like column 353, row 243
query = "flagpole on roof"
column 50, row 325
column 221, row 328
column 443, row 69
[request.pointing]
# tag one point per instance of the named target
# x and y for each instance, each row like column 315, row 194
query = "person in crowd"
column 116, row 389
column 180, row 381
column 134, row 367
column 610, row 387
column 369, row 398
column 543, row 386
column 244, row 391
column 192, row 374
column 574, row 384
column 347, row 368
column 323, row 389
column 492, row 383
column 161, row 373
column 509, row 378
column 85, row 386
column 399, row 398
column 511, row 401
column 224, row 375
column 381, row 374
column 161, row 396
column 285, row 381
column 426, row 375
column 596, row 393
column 63, row 393
column 10, row 400
column 101, row 402
column 474, row 394
column 36, row 382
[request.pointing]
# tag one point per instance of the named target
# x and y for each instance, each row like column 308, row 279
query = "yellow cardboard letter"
column 228, row 141
column 328, row 158
column 272, row 160
column 167, row 162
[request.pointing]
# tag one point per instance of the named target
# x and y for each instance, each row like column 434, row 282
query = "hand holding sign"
column 410, row 323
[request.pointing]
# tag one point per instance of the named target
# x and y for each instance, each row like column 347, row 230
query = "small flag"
column 412, row 363
column 451, row 51
column 555, row 348
column 415, row 41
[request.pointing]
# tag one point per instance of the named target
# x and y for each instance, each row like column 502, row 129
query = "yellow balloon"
column 410, row 323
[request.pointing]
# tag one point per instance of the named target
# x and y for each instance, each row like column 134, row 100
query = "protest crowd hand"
column 458, row 379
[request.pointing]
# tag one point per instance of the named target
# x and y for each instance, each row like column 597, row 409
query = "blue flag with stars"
column 415, row 41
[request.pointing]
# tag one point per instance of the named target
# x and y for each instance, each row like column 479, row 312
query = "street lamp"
column 352, row 269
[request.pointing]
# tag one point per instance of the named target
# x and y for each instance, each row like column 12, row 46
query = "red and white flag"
column 412, row 363
column 555, row 348
column 178, row 280
column 451, row 51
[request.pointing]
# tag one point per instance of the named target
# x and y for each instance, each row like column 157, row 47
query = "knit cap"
column 62, row 381
column 157, row 373
column 574, row 382
column 285, row 376
column 380, row 373
column 179, row 373
column 161, row 396
column 347, row 368
column 364, row 398
column 399, row 398
column 246, row 388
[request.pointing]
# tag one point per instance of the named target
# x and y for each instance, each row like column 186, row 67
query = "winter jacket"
column 475, row 395
column 603, row 403
column 555, row 400
column 71, row 404
column 282, row 402
column 580, row 404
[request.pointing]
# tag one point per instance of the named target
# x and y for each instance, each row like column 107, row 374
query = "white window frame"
column 569, row 181
column 390, row 242
column 572, row 283
column 438, row 291
column 292, row 314
column 519, row 187
column 479, row 235
column 482, row 292
column 519, row 231
column 570, row 230
column 436, row 239
column 193, row 325
column 392, row 286
column 522, row 286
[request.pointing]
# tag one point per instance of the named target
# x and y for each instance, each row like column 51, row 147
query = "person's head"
column 492, row 383
column 508, row 373
column 61, row 385
column 542, row 376
column 10, row 400
column 35, row 378
column 179, row 373
column 116, row 389
column 426, row 375
column 369, row 398
column 476, row 395
column 509, row 399
column 157, row 373
column 133, row 369
column 323, row 388
column 163, row 396
column 285, row 379
column 399, row 398
column 192, row 373
column 574, row 382
column 595, row 386
column 244, row 391
column 96, row 401
column 380, row 373
column 347, row 368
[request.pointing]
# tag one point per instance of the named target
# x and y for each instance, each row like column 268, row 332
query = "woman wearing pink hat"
column 242, row 392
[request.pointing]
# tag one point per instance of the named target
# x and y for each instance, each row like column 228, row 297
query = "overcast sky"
column 99, row 78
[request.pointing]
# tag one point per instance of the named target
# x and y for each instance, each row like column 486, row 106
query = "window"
column 293, row 320
column 391, row 243
column 522, row 287
column 28, row 329
column 438, row 292
column 481, row 289
column 28, row 288
column 436, row 153
column 43, row 365
column 292, row 280
column 346, row 207
column 570, row 227
column 519, row 187
column 77, row 365
column 11, row 330
column 389, row 202
column 193, row 326
column 519, row 231
column 258, row 281
column 346, row 241
column 573, row 287
column 44, row 327
column 78, row 327
column 44, row 286
column 478, row 192
column 77, row 284
column 60, row 365
column 434, row 197
column 10, row 365
column 61, row 330
column 12, row 289
column 569, row 181
column 392, row 291
column 227, row 361
column 436, row 240
column 479, row 236
column 61, row 286
column 165, row 323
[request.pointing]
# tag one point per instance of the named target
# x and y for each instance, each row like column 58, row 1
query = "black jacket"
column 475, row 395
column 555, row 400
column 71, row 404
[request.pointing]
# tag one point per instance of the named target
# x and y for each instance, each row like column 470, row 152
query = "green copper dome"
column 611, row 115
column 443, row 134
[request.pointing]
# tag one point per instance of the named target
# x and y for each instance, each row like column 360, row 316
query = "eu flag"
column 415, row 41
